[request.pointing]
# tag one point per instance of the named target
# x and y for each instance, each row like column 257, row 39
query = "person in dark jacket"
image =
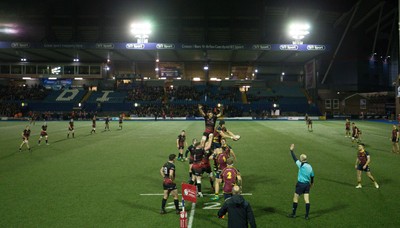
column 239, row 210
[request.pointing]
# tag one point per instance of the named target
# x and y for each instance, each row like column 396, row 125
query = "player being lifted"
column 93, row 125
column 221, row 132
column 43, row 133
column 180, row 144
column 71, row 129
column 25, row 138
column 210, row 119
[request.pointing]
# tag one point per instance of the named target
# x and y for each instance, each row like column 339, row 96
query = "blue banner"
column 165, row 46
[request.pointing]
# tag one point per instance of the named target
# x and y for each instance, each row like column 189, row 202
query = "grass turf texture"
column 96, row 180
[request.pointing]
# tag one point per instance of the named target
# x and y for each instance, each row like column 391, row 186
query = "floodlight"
column 298, row 30
column 141, row 31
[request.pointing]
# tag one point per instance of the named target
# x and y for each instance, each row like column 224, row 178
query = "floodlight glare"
column 141, row 31
column 298, row 31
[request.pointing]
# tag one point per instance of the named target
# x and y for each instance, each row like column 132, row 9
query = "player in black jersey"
column 93, row 125
column 120, row 121
column 71, row 129
column 180, row 144
column 25, row 138
column 43, row 133
column 197, row 166
column 190, row 150
column 167, row 171
column 107, row 124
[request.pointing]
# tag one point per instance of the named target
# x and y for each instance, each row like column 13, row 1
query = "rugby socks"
column 294, row 208
column 176, row 202
column 307, row 209
column 164, row 201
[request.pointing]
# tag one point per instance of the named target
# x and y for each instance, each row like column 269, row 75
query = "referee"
column 305, row 180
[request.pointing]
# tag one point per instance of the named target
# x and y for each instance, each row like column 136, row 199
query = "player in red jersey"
column 207, row 166
column 347, row 127
column 362, row 164
column 43, row 133
column 355, row 133
column 71, row 129
column 180, row 144
column 167, row 171
column 231, row 177
column 25, row 138
column 93, row 125
column 210, row 119
column 197, row 166
column 220, row 158
column 395, row 139
column 190, row 150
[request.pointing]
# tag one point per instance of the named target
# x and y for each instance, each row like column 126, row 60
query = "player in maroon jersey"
column 228, row 149
column 362, row 164
column 355, row 133
column 93, row 125
column 167, row 171
column 347, row 127
column 220, row 158
column 231, row 177
column 210, row 119
column 197, row 166
column 180, row 144
column 71, row 129
column 43, row 133
column 221, row 132
column 25, row 138
column 395, row 139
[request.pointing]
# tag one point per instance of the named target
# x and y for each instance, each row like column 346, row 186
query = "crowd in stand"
column 22, row 92
column 146, row 93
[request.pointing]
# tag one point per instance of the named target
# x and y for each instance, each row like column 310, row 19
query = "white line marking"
column 161, row 194
column 191, row 217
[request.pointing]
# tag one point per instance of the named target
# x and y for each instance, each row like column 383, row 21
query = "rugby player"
column 167, row 171
column 190, row 150
column 210, row 120
column 347, row 127
column 362, row 164
column 43, row 133
column 197, row 166
column 120, row 121
column 93, row 125
column 107, row 124
column 220, row 160
column 180, row 144
column 25, row 138
column 395, row 139
column 71, row 129
column 231, row 177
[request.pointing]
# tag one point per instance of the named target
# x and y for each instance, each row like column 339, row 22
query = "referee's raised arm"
column 292, row 152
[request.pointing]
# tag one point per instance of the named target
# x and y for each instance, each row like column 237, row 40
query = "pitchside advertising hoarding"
column 166, row 46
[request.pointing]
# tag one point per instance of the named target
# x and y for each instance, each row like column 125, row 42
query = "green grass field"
column 97, row 180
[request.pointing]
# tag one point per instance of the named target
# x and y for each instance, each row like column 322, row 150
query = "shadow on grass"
column 321, row 212
column 134, row 205
column 9, row 155
column 253, row 180
column 337, row 182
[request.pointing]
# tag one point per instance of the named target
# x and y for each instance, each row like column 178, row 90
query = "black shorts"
column 360, row 167
column 168, row 184
column 302, row 188
column 218, row 174
column 207, row 168
column 181, row 147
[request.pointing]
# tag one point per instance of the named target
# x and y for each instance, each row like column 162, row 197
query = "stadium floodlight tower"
column 141, row 31
column 299, row 30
